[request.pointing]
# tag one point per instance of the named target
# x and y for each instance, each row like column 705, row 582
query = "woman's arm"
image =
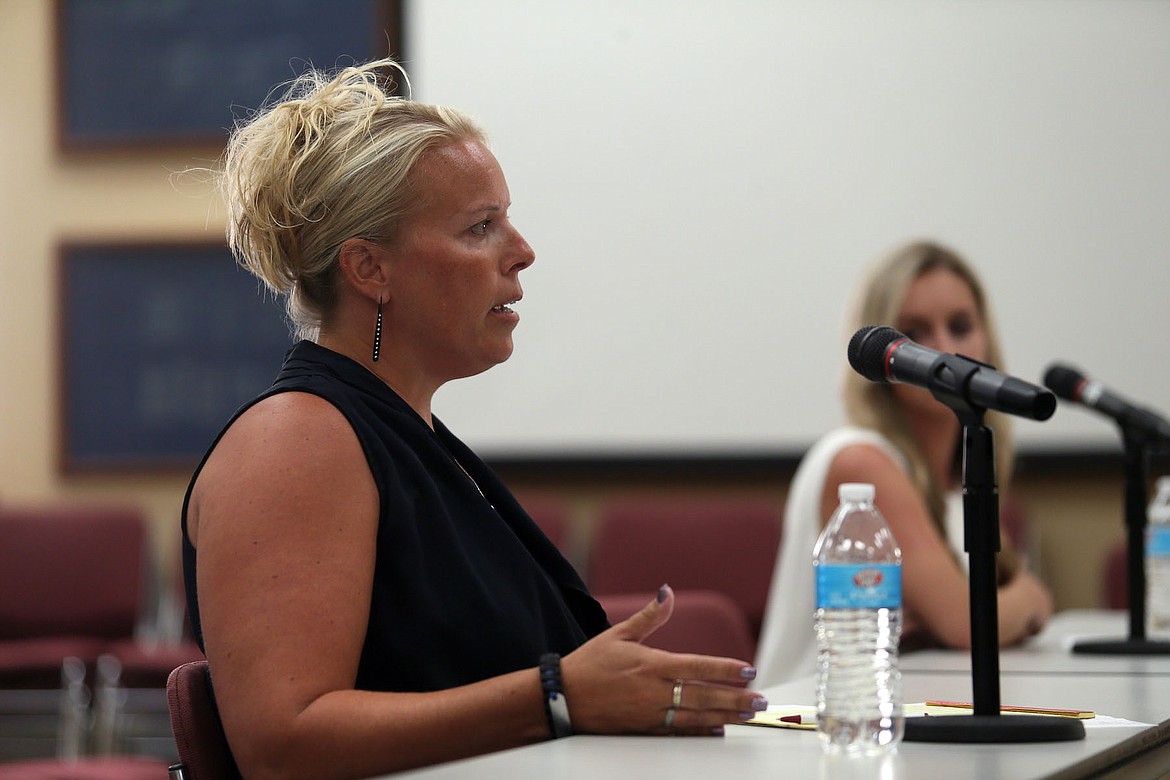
column 934, row 588
column 284, row 516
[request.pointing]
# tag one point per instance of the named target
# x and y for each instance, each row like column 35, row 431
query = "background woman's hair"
column 873, row 405
column 328, row 161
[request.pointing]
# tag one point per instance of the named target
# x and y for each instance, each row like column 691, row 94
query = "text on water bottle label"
column 859, row 586
column 1158, row 540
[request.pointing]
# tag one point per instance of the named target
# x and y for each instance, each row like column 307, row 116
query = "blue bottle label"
column 859, row 586
column 1158, row 540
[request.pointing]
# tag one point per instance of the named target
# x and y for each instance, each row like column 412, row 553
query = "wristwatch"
column 556, row 707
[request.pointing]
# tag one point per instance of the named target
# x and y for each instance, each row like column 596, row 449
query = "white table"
column 1051, row 650
column 1140, row 700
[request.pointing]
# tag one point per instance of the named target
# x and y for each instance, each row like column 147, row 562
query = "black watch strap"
column 555, row 705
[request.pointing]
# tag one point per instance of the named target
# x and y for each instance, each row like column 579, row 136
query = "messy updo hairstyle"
column 874, row 405
column 328, row 161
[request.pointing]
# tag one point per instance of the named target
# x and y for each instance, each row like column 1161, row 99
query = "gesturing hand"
column 614, row 684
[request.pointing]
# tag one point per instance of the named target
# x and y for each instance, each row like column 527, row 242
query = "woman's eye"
column 915, row 333
column 961, row 327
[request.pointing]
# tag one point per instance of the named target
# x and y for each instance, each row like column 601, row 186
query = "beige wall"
column 46, row 198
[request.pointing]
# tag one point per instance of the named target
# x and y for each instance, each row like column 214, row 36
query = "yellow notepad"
column 787, row 717
column 805, row 717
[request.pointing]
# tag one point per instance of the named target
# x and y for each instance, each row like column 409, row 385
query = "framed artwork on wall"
column 159, row 343
column 164, row 73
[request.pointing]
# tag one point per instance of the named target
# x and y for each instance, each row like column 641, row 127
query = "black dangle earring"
column 378, row 331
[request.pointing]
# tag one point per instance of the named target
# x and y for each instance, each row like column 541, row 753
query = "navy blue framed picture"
column 140, row 73
column 159, row 344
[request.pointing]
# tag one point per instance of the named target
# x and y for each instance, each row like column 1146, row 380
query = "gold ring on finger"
column 676, row 700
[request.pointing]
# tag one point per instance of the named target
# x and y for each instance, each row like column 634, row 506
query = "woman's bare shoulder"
column 288, row 423
column 864, row 462
column 287, row 445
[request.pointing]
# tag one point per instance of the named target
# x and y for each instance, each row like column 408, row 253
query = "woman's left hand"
column 614, row 684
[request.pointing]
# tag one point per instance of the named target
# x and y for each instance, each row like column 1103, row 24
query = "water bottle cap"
column 1159, row 509
column 855, row 492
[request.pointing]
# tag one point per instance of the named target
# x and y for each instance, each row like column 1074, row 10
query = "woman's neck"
column 417, row 394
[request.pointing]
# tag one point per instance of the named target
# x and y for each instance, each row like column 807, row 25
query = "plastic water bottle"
column 1158, row 562
column 858, row 624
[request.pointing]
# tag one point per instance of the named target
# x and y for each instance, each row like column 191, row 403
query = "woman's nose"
column 945, row 342
column 937, row 339
column 522, row 254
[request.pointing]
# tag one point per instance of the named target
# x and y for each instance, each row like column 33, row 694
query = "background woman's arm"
column 935, row 589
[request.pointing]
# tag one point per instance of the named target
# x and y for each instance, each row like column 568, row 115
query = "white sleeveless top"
column 788, row 647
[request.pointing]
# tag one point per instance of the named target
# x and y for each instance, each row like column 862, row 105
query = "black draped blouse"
column 466, row 586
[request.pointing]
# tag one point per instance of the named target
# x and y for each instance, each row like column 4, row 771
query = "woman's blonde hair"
column 873, row 405
column 330, row 160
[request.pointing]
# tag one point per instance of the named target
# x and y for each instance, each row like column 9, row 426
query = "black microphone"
column 1070, row 384
column 882, row 354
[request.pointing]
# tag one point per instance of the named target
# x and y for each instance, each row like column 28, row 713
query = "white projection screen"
column 703, row 183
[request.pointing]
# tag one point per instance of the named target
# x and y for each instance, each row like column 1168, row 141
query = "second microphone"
column 882, row 354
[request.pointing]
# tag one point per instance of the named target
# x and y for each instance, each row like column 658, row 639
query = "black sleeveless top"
column 466, row 586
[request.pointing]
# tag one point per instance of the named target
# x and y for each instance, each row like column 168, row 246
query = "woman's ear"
column 365, row 266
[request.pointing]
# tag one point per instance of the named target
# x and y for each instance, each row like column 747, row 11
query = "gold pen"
column 1083, row 714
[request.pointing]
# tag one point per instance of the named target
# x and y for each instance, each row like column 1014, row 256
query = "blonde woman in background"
column 908, row 445
column 369, row 595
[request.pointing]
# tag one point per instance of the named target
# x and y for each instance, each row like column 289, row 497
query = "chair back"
column 552, row 516
column 71, row 570
column 120, row 767
column 704, row 622
column 723, row 544
column 202, row 746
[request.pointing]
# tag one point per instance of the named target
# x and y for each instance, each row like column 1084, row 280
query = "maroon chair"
column 71, row 581
column 721, row 544
column 551, row 515
column 147, row 662
column 703, row 622
column 204, row 753
column 72, row 763
column 130, row 703
column 35, row 662
column 86, row 768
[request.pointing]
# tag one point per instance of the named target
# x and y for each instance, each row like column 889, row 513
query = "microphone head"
column 1065, row 381
column 1015, row 396
column 867, row 351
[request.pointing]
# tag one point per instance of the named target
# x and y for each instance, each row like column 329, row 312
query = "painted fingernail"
column 746, row 715
column 662, row 593
column 717, row 731
column 759, row 704
column 747, row 673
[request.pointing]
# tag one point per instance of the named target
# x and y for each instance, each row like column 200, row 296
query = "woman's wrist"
column 552, row 689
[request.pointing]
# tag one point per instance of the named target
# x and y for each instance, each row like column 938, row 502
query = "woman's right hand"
column 1025, row 608
column 616, row 685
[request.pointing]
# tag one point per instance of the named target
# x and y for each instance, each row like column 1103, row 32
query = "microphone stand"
column 981, row 541
column 1136, row 497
